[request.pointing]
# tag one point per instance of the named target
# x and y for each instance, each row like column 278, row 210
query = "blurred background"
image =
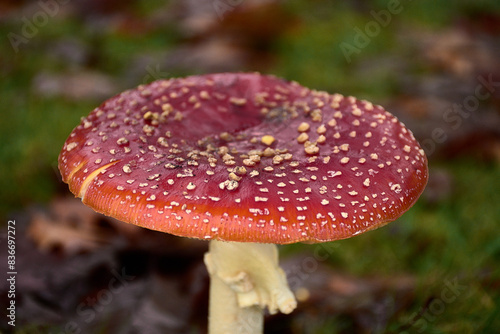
column 434, row 64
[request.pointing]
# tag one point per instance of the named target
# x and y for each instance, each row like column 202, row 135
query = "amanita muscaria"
column 246, row 161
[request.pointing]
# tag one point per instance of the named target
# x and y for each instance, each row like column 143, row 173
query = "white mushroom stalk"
column 245, row 278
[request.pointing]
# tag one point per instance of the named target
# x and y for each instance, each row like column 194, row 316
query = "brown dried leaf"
column 75, row 86
column 51, row 235
column 69, row 227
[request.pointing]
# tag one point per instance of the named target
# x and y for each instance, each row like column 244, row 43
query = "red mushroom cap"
column 244, row 157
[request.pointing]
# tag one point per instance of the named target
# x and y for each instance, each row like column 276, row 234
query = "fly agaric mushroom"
column 246, row 161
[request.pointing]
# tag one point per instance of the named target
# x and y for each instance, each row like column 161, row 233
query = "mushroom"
column 246, row 161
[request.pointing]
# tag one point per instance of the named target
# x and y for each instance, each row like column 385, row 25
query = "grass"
column 39, row 126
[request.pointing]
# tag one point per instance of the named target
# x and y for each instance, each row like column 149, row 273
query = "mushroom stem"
column 226, row 316
column 244, row 279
